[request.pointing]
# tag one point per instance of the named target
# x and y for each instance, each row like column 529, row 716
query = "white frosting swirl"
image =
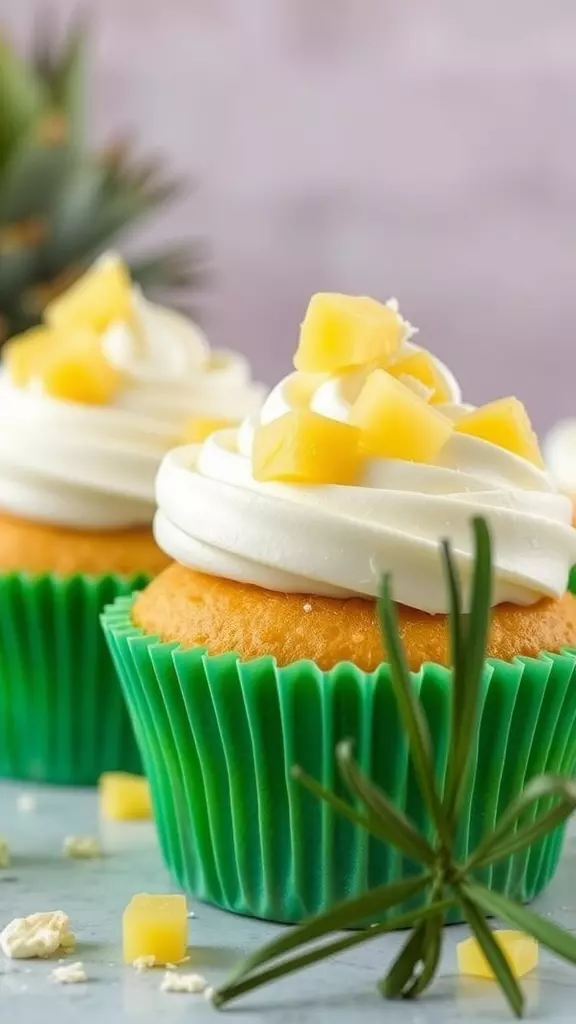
column 337, row 540
column 560, row 455
column 94, row 466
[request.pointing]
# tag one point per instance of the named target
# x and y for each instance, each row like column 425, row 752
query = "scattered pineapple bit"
column 198, row 428
column 144, row 963
column 39, row 935
column 423, row 368
column 504, row 423
column 81, row 847
column 155, row 926
column 124, row 797
column 340, row 332
column 396, row 423
column 102, row 296
column 305, row 448
column 69, row 974
column 4, row 854
column 520, row 950
column 193, row 984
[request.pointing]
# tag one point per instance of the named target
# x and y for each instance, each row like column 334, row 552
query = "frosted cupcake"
column 89, row 403
column 259, row 647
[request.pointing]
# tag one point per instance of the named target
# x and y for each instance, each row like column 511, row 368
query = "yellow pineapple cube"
column 77, row 371
column 198, row 428
column 124, row 797
column 340, row 332
column 102, row 296
column 521, row 952
column 303, row 447
column 422, row 366
column 24, row 353
column 396, row 423
column 504, row 423
column 301, row 387
column 155, row 926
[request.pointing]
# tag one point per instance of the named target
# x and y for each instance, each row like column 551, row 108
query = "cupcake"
column 89, row 403
column 258, row 648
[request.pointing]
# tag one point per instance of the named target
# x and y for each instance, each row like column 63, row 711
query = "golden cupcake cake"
column 259, row 646
column 89, row 402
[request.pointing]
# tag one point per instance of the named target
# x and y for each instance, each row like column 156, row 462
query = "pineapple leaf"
column 66, row 83
column 23, row 99
column 33, row 178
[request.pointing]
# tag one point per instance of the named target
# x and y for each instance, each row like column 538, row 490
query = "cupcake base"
column 62, row 716
column 219, row 736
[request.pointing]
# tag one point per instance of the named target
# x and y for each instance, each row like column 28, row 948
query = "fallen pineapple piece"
column 303, row 447
column 340, row 332
column 198, row 428
column 422, row 366
column 505, row 423
column 39, row 935
column 155, row 926
column 124, row 797
column 81, row 847
column 102, row 296
column 520, row 950
column 4, row 854
column 396, row 423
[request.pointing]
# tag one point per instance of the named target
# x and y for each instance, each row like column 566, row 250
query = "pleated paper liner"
column 219, row 736
column 62, row 715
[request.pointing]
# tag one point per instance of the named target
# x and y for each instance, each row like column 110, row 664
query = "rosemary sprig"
column 445, row 882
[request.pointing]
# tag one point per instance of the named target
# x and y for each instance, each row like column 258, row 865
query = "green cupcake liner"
column 218, row 738
column 62, row 714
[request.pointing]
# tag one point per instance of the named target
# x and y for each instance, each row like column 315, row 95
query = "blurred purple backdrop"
column 416, row 148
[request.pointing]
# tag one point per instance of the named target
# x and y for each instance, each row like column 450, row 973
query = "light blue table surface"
column 94, row 893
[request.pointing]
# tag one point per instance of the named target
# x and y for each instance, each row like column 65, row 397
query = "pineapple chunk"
column 504, row 423
column 300, row 388
column 422, row 366
column 77, row 371
column 340, row 332
column 521, row 952
column 303, row 447
column 155, row 926
column 198, row 428
column 23, row 354
column 102, row 296
column 396, row 423
column 124, row 797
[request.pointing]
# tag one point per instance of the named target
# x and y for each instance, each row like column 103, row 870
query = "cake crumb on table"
column 193, row 984
column 69, row 974
column 4, row 854
column 81, row 847
column 144, row 963
column 26, row 803
column 39, row 935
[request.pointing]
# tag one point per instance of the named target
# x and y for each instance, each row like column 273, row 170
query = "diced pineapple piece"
column 396, row 423
column 504, row 423
column 77, row 370
column 423, row 367
column 124, row 797
column 155, row 926
column 102, row 296
column 198, row 428
column 520, row 950
column 303, row 447
column 25, row 351
column 340, row 332
column 300, row 388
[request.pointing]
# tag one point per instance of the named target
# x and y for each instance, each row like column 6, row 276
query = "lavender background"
column 422, row 148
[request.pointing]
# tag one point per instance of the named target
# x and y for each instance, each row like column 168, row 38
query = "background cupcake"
column 359, row 464
column 89, row 402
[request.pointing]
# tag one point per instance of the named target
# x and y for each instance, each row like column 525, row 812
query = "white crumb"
column 39, row 935
column 81, row 847
column 193, row 984
column 307, row 607
column 144, row 963
column 209, row 993
column 26, row 803
column 71, row 974
column 4, row 854
column 170, row 967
